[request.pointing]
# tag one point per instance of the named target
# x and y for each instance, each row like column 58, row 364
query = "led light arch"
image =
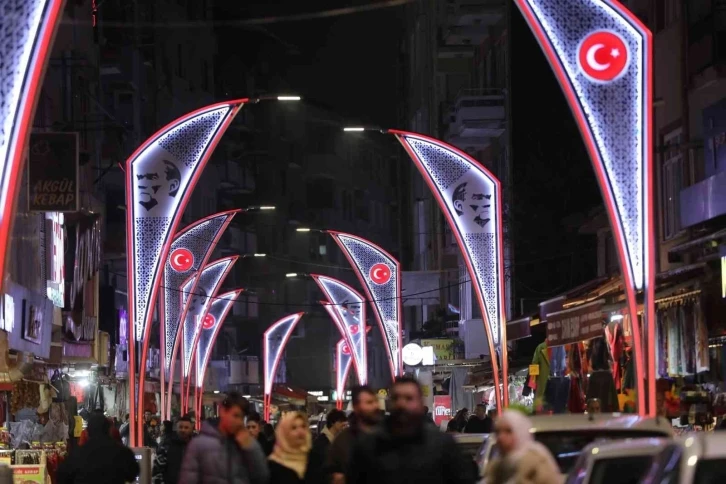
column 346, row 306
column 343, row 360
column 189, row 252
column 196, row 307
column 379, row 274
column 160, row 176
column 470, row 198
column 215, row 317
column 28, row 31
column 274, row 341
column 602, row 57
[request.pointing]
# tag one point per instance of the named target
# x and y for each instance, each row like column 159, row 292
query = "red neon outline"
column 397, row 368
column 328, row 306
column 603, row 181
column 166, row 401
column 230, row 261
column 340, row 385
column 136, row 429
column 19, row 135
column 265, row 349
column 501, row 392
column 344, row 328
column 231, row 297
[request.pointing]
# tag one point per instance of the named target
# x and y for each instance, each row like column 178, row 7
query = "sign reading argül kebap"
column 53, row 172
column 573, row 325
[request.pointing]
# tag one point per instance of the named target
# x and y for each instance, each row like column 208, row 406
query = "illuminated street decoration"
column 601, row 55
column 213, row 322
column 189, row 252
column 470, row 198
column 274, row 341
column 160, row 176
column 350, row 312
column 28, row 28
column 343, row 359
column 380, row 275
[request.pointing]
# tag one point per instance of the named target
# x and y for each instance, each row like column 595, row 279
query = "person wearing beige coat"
column 522, row 460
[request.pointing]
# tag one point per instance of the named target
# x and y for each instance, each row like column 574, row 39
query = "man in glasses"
column 405, row 449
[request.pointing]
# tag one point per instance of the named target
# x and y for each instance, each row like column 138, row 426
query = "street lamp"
column 288, row 98
column 291, row 275
column 281, row 97
column 245, row 256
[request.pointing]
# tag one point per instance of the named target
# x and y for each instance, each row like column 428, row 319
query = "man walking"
column 335, row 422
column 169, row 456
column 224, row 451
column 366, row 414
column 480, row 422
column 407, row 450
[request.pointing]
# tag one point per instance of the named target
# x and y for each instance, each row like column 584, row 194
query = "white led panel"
column 380, row 276
column 211, row 324
column 274, row 341
column 343, row 360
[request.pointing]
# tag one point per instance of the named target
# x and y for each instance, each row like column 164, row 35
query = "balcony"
column 474, row 12
column 704, row 200
column 477, row 116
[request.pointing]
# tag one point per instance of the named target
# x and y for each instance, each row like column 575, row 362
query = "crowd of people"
column 365, row 447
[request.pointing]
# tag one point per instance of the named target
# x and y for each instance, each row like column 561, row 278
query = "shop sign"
column 53, row 172
column 29, row 474
column 574, row 325
column 442, row 408
column 443, row 348
column 7, row 322
column 55, row 258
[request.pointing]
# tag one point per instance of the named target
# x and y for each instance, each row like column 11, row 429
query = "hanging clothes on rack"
column 542, row 360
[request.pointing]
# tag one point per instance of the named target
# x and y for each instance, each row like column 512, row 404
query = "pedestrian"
column 289, row 459
column 101, row 460
column 407, row 450
column 521, row 460
column 365, row 417
column 167, row 432
column 224, row 452
column 254, row 427
column 169, row 456
column 480, row 422
column 459, row 420
column 125, row 429
column 335, row 423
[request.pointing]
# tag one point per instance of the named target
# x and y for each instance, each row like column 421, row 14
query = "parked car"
column 696, row 458
column 567, row 435
column 470, row 445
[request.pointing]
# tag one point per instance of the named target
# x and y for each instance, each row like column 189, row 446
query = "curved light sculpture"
column 380, row 275
column 28, row 29
column 189, row 252
column 160, row 176
column 470, row 198
column 343, row 360
column 274, row 341
column 197, row 304
column 211, row 324
column 347, row 306
column 602, row 57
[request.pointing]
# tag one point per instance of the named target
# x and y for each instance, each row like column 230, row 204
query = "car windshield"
column 566, row 446
column 710, row 471
column 623, row 470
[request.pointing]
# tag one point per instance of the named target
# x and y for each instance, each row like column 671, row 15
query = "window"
column 672, row 183
column 623, row 470
column 320, row 194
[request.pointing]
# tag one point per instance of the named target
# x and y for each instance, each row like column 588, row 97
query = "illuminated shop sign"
column 55, row 258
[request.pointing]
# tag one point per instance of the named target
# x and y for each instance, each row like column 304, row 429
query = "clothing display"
column 542, row 360
column 681, row 339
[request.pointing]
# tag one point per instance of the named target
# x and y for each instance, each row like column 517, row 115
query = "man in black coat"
column 316, row 473
column 101, row 460
column 480, row 422
column 407, row 450
column 170, row 453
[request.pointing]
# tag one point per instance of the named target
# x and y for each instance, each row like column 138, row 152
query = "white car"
column 566, row 435
column 696, row 458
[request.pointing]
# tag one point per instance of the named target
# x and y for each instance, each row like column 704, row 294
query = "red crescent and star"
column 181, row 260
column 603, row 56
column 380, row 273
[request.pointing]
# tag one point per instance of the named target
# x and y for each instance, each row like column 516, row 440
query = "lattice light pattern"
column 160, row 176
column 27, row 32
column 343, row 360
column 595, row 38
column 350, row 310
column 469, row 195
column 218, row 311
column 210, row 279
column 274, row 341
column 379, row 274
column 189, row 252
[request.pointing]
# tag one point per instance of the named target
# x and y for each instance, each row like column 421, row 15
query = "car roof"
column 470, row 438
column 706, row 445
column 600, row 421
column 619, row 448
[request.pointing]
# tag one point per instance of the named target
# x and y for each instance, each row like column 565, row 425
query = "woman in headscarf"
column 289, row 458
column 521, row 459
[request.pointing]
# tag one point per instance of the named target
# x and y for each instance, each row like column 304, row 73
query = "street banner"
column 53, row 172
column 343, row 360
column 211, row 324
column 274, row 341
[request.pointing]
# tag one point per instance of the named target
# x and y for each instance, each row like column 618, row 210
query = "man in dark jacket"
column 480, row 422
column 335, row 422
column 170, row 453
column 102, row 460
column 225, row 452
column 407, row 450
